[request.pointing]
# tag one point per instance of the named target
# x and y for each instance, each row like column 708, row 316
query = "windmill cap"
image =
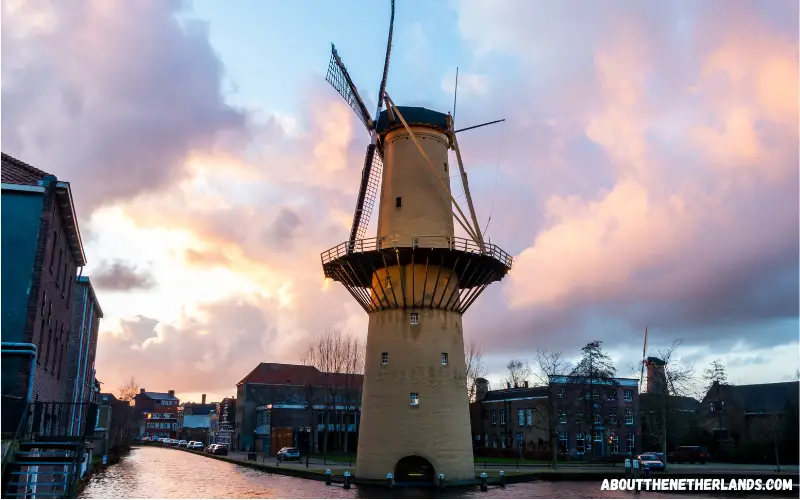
column 656, row 361
column 413, row 116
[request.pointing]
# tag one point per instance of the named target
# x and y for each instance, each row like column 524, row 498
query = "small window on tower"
column 445, row 166
column 384, row 358
column 413, row 399
column 388, row 282
column 414, row 318
column 398, row 202
column 444, row 358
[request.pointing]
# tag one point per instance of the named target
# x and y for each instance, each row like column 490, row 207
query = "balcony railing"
column 442, row 242
column 58, row 421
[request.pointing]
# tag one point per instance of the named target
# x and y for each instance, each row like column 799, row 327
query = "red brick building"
column 156, row 414
column 42, row 249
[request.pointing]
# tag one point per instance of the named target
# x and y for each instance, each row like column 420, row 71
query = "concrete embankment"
column 512, row 475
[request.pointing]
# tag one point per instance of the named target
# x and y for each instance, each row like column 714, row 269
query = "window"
column 598, row 419
column 614, row 439
column 562, row 417
column 580, row 444
column 519, row 438
column 612, row 415
column 502, row 417
column 494, row 416
column 384, row 358
column 579, row 417
column 563, row 442
column 595, row 394
column 561, row 393
column 598, row 437
column 445, row 166
column 414, row 399
column 494, row 441
column 388, row 282
column 414, row 318
column 630, row 443
column 628, row 395
column 444, row 359
column 398, row 202
column 586, row 395
column 612, row 395
column 529, row 416
column 520, row 417
column 628, row 416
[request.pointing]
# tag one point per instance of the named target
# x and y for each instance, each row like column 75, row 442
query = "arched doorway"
column 414, row 469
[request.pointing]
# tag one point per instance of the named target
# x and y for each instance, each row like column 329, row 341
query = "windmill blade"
column 644, row 360
column 386, row 63
column 367, row 193
column 340, row 79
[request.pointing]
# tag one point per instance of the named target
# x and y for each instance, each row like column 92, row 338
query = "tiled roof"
column 285, row 374
column 159, row 395
column 516, row 393
column 764, row 397
column 13, row 171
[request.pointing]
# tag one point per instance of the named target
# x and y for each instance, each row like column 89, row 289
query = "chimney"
column 526, row 384
column 141, row 391
column 171, row 392
column 481, row 388
column 204, row 399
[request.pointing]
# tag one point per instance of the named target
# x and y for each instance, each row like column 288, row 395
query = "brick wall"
column 84, row 328
column 49, row 316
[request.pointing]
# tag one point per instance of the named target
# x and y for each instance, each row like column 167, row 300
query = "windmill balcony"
column 391, row 272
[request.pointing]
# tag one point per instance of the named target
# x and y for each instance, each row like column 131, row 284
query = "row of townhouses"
column 50, row 322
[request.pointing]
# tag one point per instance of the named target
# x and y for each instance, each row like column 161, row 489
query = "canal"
column 152, row 472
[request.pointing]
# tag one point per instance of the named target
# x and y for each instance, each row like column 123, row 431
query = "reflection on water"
column 151, row 472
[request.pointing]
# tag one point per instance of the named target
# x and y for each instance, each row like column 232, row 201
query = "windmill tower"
column 415, row 279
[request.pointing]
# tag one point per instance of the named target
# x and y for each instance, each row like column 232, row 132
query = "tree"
column 593, row 372
column 128, row 390
column 518, row 372
column 338, row 356
column 550, row 363
column 660, row 408
column 473, row 359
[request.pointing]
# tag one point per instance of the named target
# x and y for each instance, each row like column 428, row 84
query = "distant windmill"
column 415, row 279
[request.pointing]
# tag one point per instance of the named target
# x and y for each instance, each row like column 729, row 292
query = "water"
column 152, row 472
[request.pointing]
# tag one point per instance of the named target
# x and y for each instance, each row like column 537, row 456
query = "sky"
column 646, row 174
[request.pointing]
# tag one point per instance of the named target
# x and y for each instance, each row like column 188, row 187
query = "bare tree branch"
column 128, row 390
column 475, row 368
column 518, row 372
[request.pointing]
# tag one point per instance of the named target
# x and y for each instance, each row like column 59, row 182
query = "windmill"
column 415, row 280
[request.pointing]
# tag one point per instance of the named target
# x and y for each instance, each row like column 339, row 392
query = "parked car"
column 692, row 454
column 650, row 461
column 195, row 445
column 218, row 449
column 182, row 443
column 287, row 454
column 656, row 453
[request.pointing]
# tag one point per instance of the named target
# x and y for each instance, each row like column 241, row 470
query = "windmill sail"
column 367, row 194
column 340, row 79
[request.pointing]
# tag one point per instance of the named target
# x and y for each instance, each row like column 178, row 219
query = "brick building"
column 79, row 374
column 226, row 421
column 597, row 418
column 273, row 410
column 156, row 414
column 41, row 251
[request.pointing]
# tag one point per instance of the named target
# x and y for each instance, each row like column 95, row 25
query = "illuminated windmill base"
column 415, row 411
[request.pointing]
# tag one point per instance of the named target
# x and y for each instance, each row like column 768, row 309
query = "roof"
column 413, row 116
column 764, row 397
column 285, row 374
column 14, row 171
column 199, row 408
column 107, row 397
column 676, row 403
column 84, row 280
column 579, row 379
column 516, row 393
column 157, row 395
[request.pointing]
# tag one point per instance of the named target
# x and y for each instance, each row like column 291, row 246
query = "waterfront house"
column 41, row 252
column 281, row 405
column 583, row 419
column 155, row 414
column 226, row 421
column 195, row 420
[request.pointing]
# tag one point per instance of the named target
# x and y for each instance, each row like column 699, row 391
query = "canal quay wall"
column 512, row 475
